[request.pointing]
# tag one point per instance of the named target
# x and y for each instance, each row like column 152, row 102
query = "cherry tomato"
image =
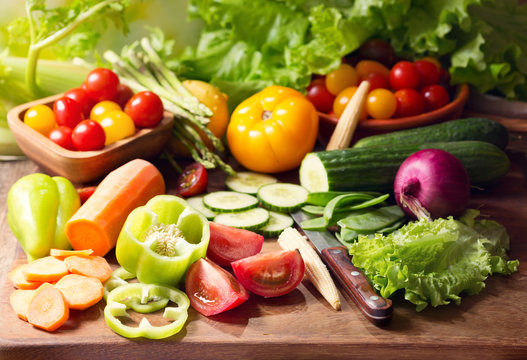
column 101, row 84
column 68, row 112
column 404, row 75
column 409, row 102
column 377, row 81
column 62, row 137
column 88, row 135
column 117, row 125
column 192, row 181
column 378, row 50
column 434, row 61
column 341, row 78
column 319, row 95
column 228, row 244
column 86, row 192
column 145, row 108
column 80, row 96
column 381, row 104
column 428, row 72
column 211, row 289
column 102, row 108
column 366, row 67
column 342, row 100
column 124, row 93
column 435, row 97
column 40, row 118
column 270, row 274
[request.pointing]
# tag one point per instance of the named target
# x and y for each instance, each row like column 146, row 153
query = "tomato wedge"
column 212, row 289
column 228, row 244
column 271, row 274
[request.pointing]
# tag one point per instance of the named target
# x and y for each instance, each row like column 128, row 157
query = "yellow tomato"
column 341, row 78
column 273, row 130
column 117, row 125
column 103, row 107
column 365, row 67
column 342, row 100
column 40, row 118
column 381, row 104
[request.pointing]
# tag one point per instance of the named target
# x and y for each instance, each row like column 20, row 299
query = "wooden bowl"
column 84, row 166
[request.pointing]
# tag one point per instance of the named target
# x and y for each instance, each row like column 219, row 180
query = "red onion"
column 432, row 184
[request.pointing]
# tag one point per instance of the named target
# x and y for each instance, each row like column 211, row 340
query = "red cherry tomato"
column 435, row 97
column 192, row 181
column 319, row 95
column 428, row 72
column 101, row 84
column 124, row 93
column 81, row 96
column 404, row 75
column 410, row 102
column 86, row 192
column 62, row 137
column 88, row 135
column 377, row 81
column 270, row 274
column 212, row 289
column 378, row 50
column 145, row 108
column 68, row 112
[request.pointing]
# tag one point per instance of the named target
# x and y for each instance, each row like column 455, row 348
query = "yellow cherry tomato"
column 117, row 125
column 341, row 78
column 381, row 104
column 40, row 118
column 273, row 130
column 343, row 98
column 102, row 107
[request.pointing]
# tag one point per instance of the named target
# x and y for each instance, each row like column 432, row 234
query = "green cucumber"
column 250, row 219
column 374, row 168
column 282, row 197
column 248, row 182
column 229, row 201
column 196, row 202
column 476, row 128
column 278, row 222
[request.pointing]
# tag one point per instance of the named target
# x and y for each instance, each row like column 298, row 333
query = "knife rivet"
column 374, row 297
column 355, row 273
column 335, row 251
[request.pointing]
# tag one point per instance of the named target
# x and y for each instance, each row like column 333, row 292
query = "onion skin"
column 432, row 184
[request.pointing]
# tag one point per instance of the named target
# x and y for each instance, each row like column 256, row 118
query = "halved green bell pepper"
column 38, row 207
column 160, row 240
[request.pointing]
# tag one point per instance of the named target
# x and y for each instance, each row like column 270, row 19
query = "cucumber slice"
column 278, row 222
column 229, row 201
column 248, row 182
column 196, row 202
column 313, row 175
column 250, row 219
column 282, row 197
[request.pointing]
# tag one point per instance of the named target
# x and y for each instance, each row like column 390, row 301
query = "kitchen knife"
column 376, row 309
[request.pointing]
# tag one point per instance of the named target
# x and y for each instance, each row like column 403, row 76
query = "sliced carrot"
column 18, row 277
column 94, row 266
column 80, row 291
column 98, row 222
column 45, row 269
column 19, row 300
column 62, row 254
column 48, row 309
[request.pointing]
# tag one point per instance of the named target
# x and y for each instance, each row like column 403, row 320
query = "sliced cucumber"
column 250, row 219
column 196, row 202
column 278, row 222
column 229, row 201
column 248, row 182
column 282, row 197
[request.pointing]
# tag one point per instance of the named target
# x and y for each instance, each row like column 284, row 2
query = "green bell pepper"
column 119, row 300
column 159, row 241
column 38, row 207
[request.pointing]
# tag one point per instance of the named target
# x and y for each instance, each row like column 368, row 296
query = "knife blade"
column 373, row 306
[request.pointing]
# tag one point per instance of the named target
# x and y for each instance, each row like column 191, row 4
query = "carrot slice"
column 98, row 222
column 80, row 291
column 48, row 309
column 62, row 254
column 18, row 277
column 19, row 300
column 94, row 266
column 45, row 269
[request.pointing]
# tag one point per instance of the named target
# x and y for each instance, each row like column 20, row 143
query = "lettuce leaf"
column 434, row 262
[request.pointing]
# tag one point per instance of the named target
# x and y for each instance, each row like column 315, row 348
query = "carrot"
column 98, row 222
column 19, row 301
column 94, row 266
column 47, row 268
column 80, row 291
column 18, row 277
column 62, row 254
column 48, row 309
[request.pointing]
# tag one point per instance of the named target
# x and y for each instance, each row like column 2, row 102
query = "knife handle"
column 376, row 308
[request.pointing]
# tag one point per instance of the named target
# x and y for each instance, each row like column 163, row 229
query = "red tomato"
column 124, row 93
column 319, row 95
column 68, row 112
column 378, row 50
column 409, row 103
column 101, row 84
column 270, row 274
column 428, row 72
column 145, row 108
column 80, row 96
column 228, row 244
column 192, row 181
column 86, row 192
column 435, row 97
column 88, row 135
column 404, row 75
column 62, row 137
column 211, row 289
column 377, row 81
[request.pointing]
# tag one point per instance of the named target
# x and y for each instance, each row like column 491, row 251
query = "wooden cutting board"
column 300, row 325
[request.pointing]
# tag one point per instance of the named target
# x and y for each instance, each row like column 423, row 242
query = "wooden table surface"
column 300, row 325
